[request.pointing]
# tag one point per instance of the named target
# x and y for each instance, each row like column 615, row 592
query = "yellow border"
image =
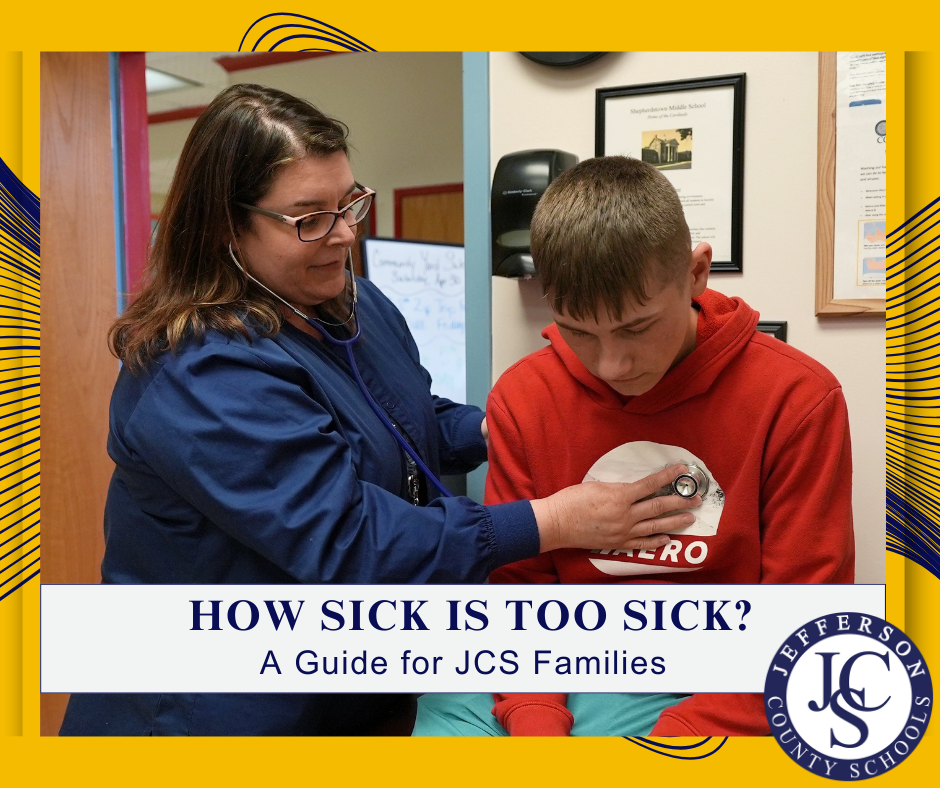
column 922, row 77
column 912, row 593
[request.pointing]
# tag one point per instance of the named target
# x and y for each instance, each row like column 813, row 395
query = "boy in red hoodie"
column 648, row 368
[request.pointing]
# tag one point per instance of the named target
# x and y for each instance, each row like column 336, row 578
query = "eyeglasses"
column 317, row 225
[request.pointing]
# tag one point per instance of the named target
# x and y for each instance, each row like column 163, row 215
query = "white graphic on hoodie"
column 631, row 462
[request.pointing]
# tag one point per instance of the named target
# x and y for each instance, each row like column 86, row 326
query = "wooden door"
column 79, row 303
column 430, row 213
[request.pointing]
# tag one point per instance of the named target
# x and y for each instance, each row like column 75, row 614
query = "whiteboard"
column 426, row 282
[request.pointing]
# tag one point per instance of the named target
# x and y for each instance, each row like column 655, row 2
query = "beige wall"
column 535, row 107
column 404, row 112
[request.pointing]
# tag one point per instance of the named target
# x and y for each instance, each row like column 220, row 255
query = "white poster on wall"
column 861, row 182
column 426, row 282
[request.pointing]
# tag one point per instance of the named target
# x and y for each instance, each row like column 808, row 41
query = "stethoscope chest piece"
column 692, row 483
column 686, row 485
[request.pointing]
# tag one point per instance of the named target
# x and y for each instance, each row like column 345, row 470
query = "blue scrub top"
column 257, row 460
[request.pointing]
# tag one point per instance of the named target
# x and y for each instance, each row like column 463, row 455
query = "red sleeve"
column 533, row 714
column 509, row 480
column 806, row 502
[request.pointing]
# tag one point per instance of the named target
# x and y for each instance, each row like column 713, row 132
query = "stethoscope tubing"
column 347, row 345
column 383, row 416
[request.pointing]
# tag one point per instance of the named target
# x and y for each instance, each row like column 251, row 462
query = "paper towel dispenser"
column 521, row 178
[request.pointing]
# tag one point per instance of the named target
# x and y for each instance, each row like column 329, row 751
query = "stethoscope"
column 347, row 345
column 686, row 485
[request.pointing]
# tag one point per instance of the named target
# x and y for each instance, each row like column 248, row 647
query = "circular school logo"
column 848, row 696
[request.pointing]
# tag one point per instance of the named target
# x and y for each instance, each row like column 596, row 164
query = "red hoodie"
column 769, row 423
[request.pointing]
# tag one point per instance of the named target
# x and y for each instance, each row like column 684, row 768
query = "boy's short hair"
column 604, row 231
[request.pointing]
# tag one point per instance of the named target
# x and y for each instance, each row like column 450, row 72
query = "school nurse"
column 247, row 452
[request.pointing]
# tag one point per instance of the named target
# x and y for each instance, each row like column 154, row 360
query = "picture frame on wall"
column 774, row 328
column 851, row 184
column 691, row 130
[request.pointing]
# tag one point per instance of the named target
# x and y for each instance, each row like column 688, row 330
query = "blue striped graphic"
column 19, row 383
column 270, row 32
column 685, row 752
column 912, row 433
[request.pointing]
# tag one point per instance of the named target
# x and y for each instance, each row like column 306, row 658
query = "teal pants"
column 595, row 714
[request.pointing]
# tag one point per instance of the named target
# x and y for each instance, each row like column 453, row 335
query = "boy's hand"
column 612, row 516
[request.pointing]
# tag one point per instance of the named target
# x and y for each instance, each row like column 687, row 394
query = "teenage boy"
column 644, row 360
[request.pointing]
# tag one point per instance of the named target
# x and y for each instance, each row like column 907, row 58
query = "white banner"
column 589, row 638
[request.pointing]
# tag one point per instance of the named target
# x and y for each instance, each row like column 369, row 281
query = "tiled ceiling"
column 198, row 67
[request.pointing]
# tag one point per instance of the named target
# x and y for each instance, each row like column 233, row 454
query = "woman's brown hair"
column 232, row 155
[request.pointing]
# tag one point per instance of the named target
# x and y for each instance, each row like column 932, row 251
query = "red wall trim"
column 258, row 59
column 136, row 149
column 416, row 191
column 183, row 113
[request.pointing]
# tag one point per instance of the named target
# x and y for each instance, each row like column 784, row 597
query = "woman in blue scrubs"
column 244, row 450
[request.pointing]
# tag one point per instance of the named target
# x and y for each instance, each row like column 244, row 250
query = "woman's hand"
column 612, row 516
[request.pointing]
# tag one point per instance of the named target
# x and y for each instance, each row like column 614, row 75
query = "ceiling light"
column 160, row 81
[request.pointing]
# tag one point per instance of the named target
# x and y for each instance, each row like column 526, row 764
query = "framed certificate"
column 693, row 132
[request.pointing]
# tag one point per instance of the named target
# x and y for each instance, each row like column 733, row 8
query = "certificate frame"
column 731, row 125
column 826, row 304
